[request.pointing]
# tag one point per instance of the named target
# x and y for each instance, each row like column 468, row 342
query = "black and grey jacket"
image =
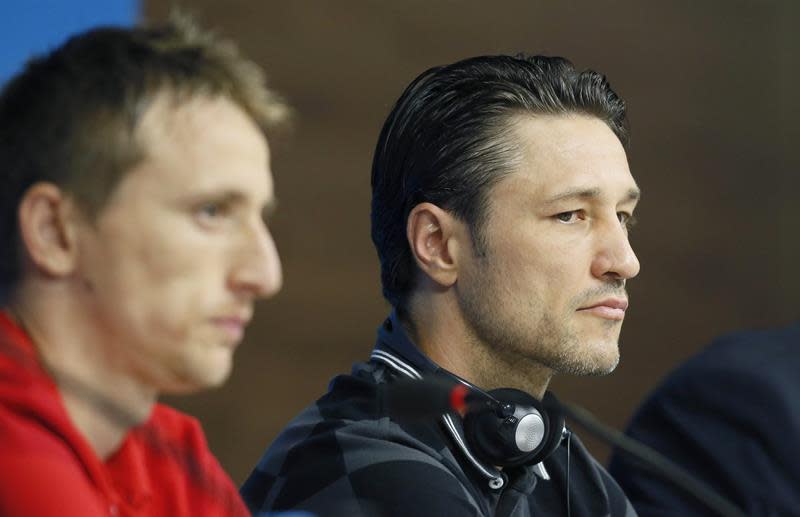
column 345, row 456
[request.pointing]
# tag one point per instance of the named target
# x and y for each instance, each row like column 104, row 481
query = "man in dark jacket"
column 501, row 204
column 731, row 417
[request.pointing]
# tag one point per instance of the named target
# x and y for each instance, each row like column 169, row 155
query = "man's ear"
column 433, row 235
column 47, row 222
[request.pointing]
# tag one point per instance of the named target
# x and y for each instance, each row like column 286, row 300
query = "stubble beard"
column 523, row 335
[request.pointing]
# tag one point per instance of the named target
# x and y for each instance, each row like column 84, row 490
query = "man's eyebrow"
column 576, row 193
column 232, row 197
column 587, row 193
column 224, row 196
column 235, row 197
column 634, row 194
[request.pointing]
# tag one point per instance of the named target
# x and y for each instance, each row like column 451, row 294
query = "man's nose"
column 258, row 270
column 615, row 257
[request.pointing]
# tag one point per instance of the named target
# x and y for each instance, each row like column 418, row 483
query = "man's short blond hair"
column 70, row 117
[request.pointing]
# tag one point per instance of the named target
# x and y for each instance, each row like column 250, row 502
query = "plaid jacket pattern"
column 345, row 456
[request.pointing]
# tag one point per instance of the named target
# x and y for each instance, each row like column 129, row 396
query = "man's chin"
column 200, row 378
column 596, row 361
column 602, row 370
column 603, row 364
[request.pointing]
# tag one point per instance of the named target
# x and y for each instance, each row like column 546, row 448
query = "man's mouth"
column 610, row 308
column 232, row 325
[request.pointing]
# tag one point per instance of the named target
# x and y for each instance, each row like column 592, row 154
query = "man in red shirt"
column 135, row 177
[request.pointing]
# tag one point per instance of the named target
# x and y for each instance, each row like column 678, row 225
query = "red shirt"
column 163, row 466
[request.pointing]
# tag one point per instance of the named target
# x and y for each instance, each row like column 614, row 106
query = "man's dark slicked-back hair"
column 449, row 139
column 70, row 117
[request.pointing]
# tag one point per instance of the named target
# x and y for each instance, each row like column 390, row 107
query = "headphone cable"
column 654, row 461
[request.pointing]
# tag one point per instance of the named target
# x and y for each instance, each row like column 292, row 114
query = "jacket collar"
column 395, row 349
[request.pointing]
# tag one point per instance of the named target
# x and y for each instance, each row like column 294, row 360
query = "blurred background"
column 711, row 89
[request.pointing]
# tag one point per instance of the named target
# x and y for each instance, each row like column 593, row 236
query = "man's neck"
column 436, row 325
column 102, row 399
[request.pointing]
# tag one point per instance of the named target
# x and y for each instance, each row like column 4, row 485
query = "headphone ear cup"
column 525, row 437
column 555, row 431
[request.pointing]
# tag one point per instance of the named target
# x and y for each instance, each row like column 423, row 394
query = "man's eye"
column 626, row 220
column 567, row 217
column 211, row 211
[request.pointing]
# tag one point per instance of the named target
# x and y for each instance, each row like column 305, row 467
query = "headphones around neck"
column 513, row 428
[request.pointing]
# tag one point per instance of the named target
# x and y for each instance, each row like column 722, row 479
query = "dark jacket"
column 731, row 416
column 345, row 456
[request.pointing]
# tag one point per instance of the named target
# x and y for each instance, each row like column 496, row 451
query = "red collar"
column 133, row 482
column 15, row 342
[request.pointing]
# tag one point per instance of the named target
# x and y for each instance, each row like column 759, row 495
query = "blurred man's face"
column 173, row 263
column 551, row 285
